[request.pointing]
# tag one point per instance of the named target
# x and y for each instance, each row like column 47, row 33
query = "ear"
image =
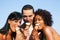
column 9, row 21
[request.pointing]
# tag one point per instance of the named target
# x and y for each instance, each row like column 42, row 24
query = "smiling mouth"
column 27, row 23
column 37, row 24
column 17, row 28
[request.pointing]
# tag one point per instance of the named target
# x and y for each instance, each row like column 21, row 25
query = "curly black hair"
column 46, row 15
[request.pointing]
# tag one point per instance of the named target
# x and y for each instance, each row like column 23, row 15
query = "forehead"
column 16, row 19
column 38, row 16
column 28, row 12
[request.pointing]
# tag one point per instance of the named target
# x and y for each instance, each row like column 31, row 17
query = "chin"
column 13, row 31
column 39, row 28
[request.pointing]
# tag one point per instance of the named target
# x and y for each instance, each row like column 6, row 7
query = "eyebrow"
column 27, row 16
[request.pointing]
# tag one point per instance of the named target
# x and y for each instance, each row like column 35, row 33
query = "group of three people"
column 38, row 25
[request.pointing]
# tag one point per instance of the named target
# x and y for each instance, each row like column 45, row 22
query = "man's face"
column 28, row 15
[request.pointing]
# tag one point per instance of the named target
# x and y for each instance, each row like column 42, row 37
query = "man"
column 28, row 15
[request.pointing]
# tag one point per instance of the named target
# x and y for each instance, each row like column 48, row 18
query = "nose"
column 37, row 21
column 27, row 18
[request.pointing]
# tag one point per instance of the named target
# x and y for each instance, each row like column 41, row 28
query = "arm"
column 1, row 36
column 48, row 33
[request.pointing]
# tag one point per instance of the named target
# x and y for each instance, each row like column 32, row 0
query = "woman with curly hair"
column 42, row 26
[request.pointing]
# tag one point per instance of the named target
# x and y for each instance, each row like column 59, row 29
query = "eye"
column 30, row 15
column 16, row 20
column 24, row 16
column 20, row 22
column 40, row 19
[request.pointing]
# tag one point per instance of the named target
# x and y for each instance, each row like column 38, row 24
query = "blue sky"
column 8, row 6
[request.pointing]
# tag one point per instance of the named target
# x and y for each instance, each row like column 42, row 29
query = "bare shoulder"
column 55, row 34
column 46, row 28
column 1, row 35
column 53, row 30
column 50, row 29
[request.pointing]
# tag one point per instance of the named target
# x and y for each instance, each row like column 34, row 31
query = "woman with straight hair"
column 12, row 30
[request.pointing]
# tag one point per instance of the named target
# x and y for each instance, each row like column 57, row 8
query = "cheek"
column 24, row 18
column 12, row 27
column 31, row 18
column 41, row 24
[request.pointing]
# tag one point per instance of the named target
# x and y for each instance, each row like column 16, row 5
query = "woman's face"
column 14, row 24
column 39, row 20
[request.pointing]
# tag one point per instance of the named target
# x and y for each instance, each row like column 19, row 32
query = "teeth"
column 37, row 24
column 27, row 23
column 17, row 28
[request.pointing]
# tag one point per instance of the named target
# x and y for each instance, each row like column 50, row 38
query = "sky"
column 53, row 6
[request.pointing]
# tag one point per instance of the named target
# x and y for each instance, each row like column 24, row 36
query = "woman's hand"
column 35, row 35
column 19, row 34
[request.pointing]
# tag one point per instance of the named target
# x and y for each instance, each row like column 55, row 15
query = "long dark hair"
column 13, row 16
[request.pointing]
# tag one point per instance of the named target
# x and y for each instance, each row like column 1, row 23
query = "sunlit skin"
column 14, row 24
column 39, row 20
column 49, row 32
column 12, row 30
column 28, row 15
